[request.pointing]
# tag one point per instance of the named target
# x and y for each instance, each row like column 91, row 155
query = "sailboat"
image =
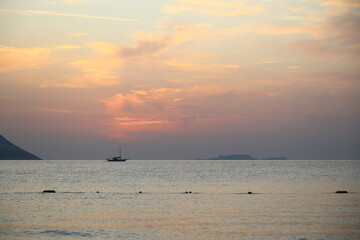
column 118, row 158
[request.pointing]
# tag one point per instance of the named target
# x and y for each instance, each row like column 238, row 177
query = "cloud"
column 67, row 47
column 178, row 32
column 105, row 66
column 340, row 36
column 281, row 30
column 343, row 3
column 52, row 13
column 274, row 94
column 212, row 8
column 175, row 109
column 272, row 29
column 88, row 79
column 34, row 109
column 16, row 59
column 43, row 61
column 153, row 102
column 254, row 106
column 93, row 72
column 69, row 2
column 147, row 45
column 293, row 67
column 100, row 70
column 65, row 2
column 80, row 34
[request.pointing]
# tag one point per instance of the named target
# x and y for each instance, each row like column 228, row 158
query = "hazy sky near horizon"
column 181, row 79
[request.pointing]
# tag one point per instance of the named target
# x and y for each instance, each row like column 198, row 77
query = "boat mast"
column 120, row 151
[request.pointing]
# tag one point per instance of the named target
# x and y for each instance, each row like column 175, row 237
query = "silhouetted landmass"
column 232, row 157
column 275, row 158
column 9, row 151
column 242, row 157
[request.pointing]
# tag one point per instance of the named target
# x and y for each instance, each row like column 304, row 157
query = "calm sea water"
column 290, row 200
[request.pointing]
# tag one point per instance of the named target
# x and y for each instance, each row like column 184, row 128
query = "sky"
column 181, row 79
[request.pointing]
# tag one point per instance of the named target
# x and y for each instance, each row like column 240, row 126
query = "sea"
column 180, row 199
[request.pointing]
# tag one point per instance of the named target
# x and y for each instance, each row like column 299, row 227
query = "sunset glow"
column 277, row 78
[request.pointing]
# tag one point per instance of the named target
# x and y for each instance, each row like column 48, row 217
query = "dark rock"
column 49, row 191
column 250, row 193
column 341, row 191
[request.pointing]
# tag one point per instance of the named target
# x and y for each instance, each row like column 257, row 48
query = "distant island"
column 9, row 151
column 242, row 157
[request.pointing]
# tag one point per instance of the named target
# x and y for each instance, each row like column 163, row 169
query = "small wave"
column 51, row 233
column 66, row 233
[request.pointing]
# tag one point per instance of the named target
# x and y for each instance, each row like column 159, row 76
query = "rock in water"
column 9, row 151
column 341, row 191
column 49, row 191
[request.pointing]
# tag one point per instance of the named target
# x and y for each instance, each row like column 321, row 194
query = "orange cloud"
column 16, row 59
column 107, row 61
column 101, row 70
column 106, row 66
column 92, row 73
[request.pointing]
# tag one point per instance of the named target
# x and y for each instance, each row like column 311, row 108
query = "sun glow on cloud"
column 180, row 109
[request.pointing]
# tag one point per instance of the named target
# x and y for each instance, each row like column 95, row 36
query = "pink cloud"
column 173, row 109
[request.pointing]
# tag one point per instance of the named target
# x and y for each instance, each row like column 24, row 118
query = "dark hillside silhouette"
column 9, row 151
